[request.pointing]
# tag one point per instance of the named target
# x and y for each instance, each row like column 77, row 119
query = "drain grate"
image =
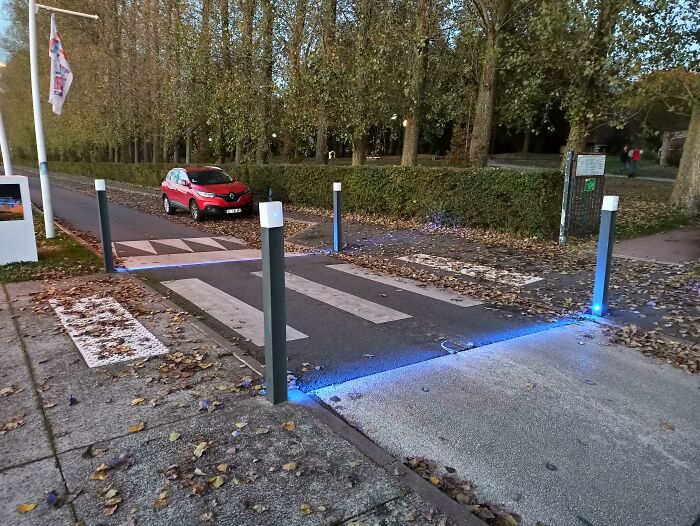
column 105, row 332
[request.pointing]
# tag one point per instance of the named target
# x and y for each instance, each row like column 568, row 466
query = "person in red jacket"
column 635, row 155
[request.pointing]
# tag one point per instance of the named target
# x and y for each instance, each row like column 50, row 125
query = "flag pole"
column 39, row 126
column 38, row 121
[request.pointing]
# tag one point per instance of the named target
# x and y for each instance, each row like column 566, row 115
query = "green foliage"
column 525, row 201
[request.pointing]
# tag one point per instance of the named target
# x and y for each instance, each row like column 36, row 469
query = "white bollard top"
column 610, row 203
column 271, row 214
column 337, row 187
column 100, row 185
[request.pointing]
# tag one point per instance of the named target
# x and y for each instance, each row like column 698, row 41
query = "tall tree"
column 328, row 35
column 266, row 86
column 492, row 16
column 418, row 70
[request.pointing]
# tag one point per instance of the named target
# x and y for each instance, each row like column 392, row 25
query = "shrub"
column 526, row 201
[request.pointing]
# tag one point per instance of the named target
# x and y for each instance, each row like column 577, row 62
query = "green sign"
column 589, row 185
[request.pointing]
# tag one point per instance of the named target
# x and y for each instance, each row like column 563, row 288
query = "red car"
column 205, row 190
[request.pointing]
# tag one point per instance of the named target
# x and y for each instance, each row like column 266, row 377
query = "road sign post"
column 105, row 233
column 599, row 307
column 337, row 221
column 274, row 301
column 568, row 173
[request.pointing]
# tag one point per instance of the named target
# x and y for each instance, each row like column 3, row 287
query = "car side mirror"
column 184, row 183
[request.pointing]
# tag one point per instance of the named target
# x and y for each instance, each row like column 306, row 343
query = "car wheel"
column 195, row 212
column 167, row 207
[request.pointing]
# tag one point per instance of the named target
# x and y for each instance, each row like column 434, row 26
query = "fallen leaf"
column 434, row 479
column 200, row 449
column 218, row 481
column 135, row 428
column 260, row 508
column 289, row 426
column 12, row 389
column 111, row 493
column 14, row 423
column 290, row 466
column 26, row 508
column 241, row 425
column 668, row 425
column 223, row 468
column 173, row 436
column 137, row 401
column 306, row 508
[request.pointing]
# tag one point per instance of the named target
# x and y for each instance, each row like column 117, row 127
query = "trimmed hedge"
column 526, row 201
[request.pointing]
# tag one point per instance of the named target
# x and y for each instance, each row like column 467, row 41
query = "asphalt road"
column 339, row 344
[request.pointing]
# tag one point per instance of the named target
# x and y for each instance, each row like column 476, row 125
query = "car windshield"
column 205, row 177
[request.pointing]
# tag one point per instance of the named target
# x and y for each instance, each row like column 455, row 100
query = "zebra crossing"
column 157, row 253
column 247, row 320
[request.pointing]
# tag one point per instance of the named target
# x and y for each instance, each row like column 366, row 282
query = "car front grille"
column 228, row 198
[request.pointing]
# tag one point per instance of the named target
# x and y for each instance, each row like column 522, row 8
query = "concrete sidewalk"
column 560, row 426
column 184, row 437
column 677, row 246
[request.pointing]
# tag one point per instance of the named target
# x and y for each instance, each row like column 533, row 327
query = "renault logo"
column 232, row 195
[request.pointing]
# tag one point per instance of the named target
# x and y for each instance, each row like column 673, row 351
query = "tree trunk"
column 526, row 142
column 289, row 151
column 136, row 150
column 322, row 139
column 419, row 69
column 483, row 112
column 176, row 152
column 165, row 150
column 156, row 149
column 144, row 145
column 188, row 148
column 409, row 154
column 359, row 150
column 665, row 148
column 265, row 104
column 686, row 190
column 289, row 146
column 328, row 28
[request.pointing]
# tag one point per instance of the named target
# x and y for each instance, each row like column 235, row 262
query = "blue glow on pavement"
column 386, row 359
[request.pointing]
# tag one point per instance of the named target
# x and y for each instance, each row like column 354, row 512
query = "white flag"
column 61, row 74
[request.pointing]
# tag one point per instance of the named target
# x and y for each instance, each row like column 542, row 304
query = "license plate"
column 234, row 210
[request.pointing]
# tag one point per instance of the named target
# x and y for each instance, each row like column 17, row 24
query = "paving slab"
column 30, row 441
column 102, row 396
column 330, row 476
column 560, row 426
column 29, row 484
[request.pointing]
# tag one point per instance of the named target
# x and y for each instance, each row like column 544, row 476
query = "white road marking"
column 362, row 308
column 208, row 241
column 232, row 312
column 105, row 332
column 144, row 246
column 175, row 243
column 410, row 285
column 188, row 258
column 195, row 258
column 230, row 239
column 472, row 269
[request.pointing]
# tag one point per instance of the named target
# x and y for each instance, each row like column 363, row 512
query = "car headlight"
column 206, row 194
